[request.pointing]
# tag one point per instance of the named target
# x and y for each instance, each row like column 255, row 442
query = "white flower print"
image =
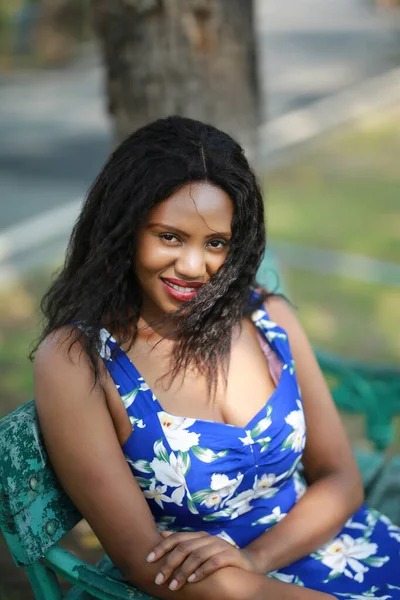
column 248, row 440
column 137, row 422
column 350, row 524
column 240, row 504
column 143, row 385
column 264, row 486
column 275, row 516
column 281, row 576
column 286, row 578
column 222, row 489
column 366, row 595
column 271, row 335
column 105, row 351
column 345, row 554
column 171, row 473
column 297, row 439
column 165, row 522
column 260, row 427
column 175, row 430
column 227, row 538
column 129, row 398
column 259, row 318
column 300, row 486
column 393, row 530
column 157, row 493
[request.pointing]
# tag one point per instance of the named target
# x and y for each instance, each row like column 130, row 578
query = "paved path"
column 313, row 48
column 54, row 133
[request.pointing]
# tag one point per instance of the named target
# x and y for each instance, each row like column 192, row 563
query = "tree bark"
column 195, row 58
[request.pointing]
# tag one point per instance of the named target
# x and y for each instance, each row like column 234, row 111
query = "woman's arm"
column 83, row 447
column 335, row 489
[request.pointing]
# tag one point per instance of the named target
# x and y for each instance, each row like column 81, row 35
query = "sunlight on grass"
column 348, row 317
column 344, row 195
column 19, row 327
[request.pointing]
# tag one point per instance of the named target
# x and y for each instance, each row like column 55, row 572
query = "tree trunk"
column 195, row 58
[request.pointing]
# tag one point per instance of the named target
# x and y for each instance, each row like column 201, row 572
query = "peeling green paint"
column 24, row 511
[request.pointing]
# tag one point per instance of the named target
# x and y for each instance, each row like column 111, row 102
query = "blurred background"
column 310, row 87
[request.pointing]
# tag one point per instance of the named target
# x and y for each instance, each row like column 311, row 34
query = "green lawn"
column 348, row 317
column 344, row 195
column 19, row 327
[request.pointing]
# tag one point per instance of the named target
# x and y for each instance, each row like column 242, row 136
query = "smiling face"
column 183, row 242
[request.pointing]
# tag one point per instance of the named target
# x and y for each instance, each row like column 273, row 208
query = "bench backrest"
column 35, row 512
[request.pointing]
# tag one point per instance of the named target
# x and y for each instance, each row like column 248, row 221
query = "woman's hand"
column 192, row 556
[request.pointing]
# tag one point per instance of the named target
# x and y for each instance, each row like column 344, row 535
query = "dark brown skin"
column 84, row 426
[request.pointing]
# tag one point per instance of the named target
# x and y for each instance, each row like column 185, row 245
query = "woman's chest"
column 248, row 387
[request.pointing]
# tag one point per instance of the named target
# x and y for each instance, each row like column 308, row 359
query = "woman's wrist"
column 258, row 559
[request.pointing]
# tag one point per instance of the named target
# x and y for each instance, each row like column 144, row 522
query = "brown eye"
column 169, row 238
column 218, row 244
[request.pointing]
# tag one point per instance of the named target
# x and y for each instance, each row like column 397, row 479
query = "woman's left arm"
column 335, row 489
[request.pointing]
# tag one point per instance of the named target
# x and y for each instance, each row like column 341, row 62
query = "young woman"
column 169, row 400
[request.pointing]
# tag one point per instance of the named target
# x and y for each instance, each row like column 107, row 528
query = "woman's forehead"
column 198, row 205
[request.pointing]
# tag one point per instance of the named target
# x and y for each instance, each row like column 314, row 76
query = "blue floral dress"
column 237, row 482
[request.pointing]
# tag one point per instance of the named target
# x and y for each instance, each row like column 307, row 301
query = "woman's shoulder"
column 276, row 306
column 62, row 354
column 57, row 347
column 64, row 377
column 280, row 311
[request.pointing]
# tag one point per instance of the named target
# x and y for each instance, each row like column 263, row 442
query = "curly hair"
column 97, row 285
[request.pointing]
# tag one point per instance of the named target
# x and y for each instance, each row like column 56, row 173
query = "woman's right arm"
column 83, row 447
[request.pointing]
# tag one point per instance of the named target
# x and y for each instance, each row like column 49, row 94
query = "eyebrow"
column 172, row 228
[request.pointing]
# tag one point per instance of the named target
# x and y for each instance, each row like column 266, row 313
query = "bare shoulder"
column 283, row 315
column 62, row 352
column 62, row 365
column 60, row 346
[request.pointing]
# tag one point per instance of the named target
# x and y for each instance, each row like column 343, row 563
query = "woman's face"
column 183, row 242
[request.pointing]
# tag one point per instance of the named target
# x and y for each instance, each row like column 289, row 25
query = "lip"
column 191, row 284
column 177, row 294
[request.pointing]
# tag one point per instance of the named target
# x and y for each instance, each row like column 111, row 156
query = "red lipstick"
column 181, row 290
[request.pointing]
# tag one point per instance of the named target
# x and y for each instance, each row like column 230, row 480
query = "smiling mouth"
column 180, row 292
column 180, row 288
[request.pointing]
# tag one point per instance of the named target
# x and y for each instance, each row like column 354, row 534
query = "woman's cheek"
column 217, row 260
column 155, row 256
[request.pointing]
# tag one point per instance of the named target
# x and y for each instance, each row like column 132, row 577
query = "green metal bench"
column 35, row 513
column 374, row 392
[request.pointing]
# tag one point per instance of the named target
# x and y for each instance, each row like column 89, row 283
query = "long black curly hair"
column 97, row 285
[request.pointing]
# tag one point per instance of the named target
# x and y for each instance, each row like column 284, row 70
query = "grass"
column 348, row 317
column 344, row 195
column 19, row 327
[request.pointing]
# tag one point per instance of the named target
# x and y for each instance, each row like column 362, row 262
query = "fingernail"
column 151, row 557
column 159, row 578
column 173, row 585
column 191, row 578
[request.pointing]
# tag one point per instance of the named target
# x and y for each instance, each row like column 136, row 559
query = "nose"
column 191, row 263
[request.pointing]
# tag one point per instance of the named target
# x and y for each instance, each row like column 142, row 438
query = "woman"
column 161, row 359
